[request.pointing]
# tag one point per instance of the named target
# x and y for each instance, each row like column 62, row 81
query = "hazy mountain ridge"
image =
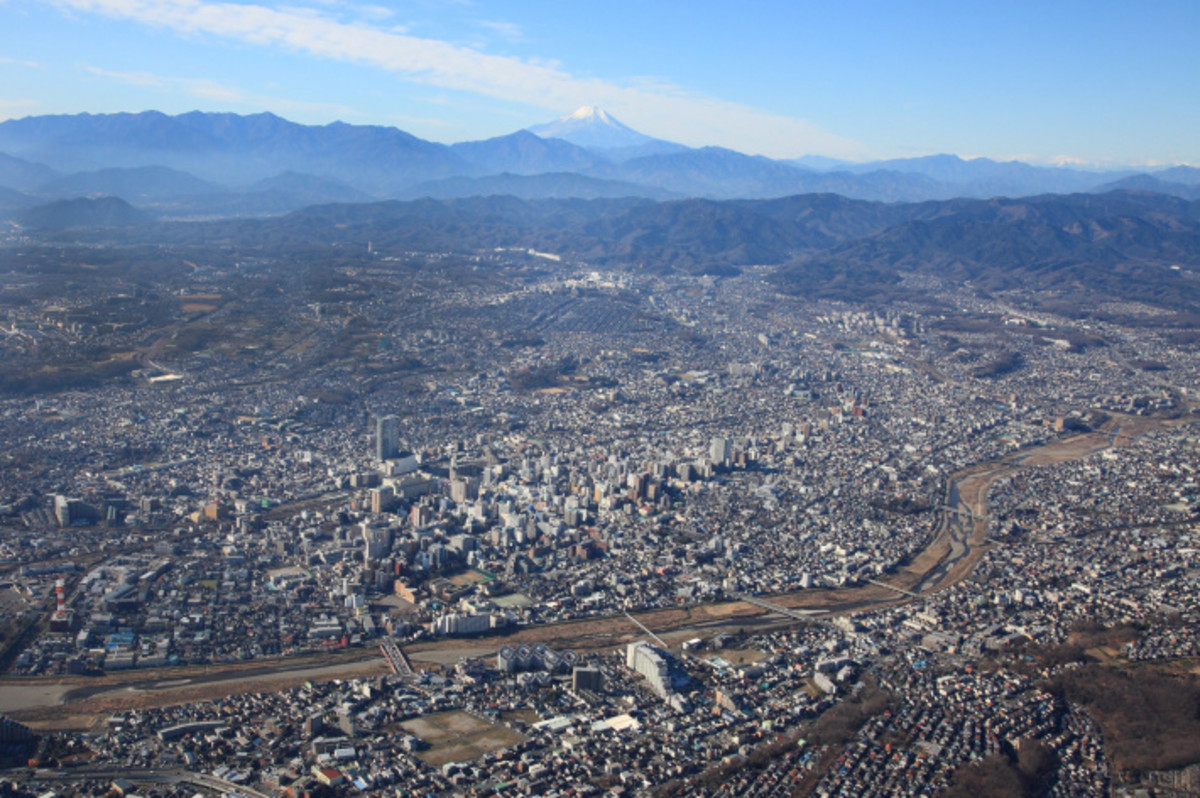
column 1121, row 245
column 83, row 212
column 12, row 200
column 46, row 154
column 309, row 188
column 1188, row 175
column 985, row 178
column 1153, row 183
column 137, row 184
column 552, row 185
column 22, row 175
column 228, row 148
column 524, row 153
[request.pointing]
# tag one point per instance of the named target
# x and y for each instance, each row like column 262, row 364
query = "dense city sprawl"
column 598, row 533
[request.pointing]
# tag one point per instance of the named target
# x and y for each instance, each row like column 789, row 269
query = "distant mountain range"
column 1178, row 181
column 1066, row 251
column 208, row 164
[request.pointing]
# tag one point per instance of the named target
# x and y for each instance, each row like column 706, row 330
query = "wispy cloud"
column 132, row 78
column 658, row 110
column 218, row 92
column 19, row 62
column 505, row 30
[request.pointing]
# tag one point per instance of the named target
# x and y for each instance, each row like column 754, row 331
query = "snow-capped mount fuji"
column 595, row 129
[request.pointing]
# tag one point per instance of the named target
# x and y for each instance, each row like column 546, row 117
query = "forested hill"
column 1127, row 245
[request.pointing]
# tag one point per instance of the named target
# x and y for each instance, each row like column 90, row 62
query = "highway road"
column 50, row 777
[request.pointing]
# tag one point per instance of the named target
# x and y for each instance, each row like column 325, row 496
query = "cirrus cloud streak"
column 662, row 111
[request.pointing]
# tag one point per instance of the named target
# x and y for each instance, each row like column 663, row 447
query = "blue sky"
column 1095, row 82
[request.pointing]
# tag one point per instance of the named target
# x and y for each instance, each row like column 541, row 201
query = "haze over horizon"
column 1103, row 84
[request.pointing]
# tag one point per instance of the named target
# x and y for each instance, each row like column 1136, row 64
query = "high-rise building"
column 649, row 661
column 720, row 451
column 381, row 498
column 74, row 512
column 462, row 490
column 377, row 539
column 387, row 437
